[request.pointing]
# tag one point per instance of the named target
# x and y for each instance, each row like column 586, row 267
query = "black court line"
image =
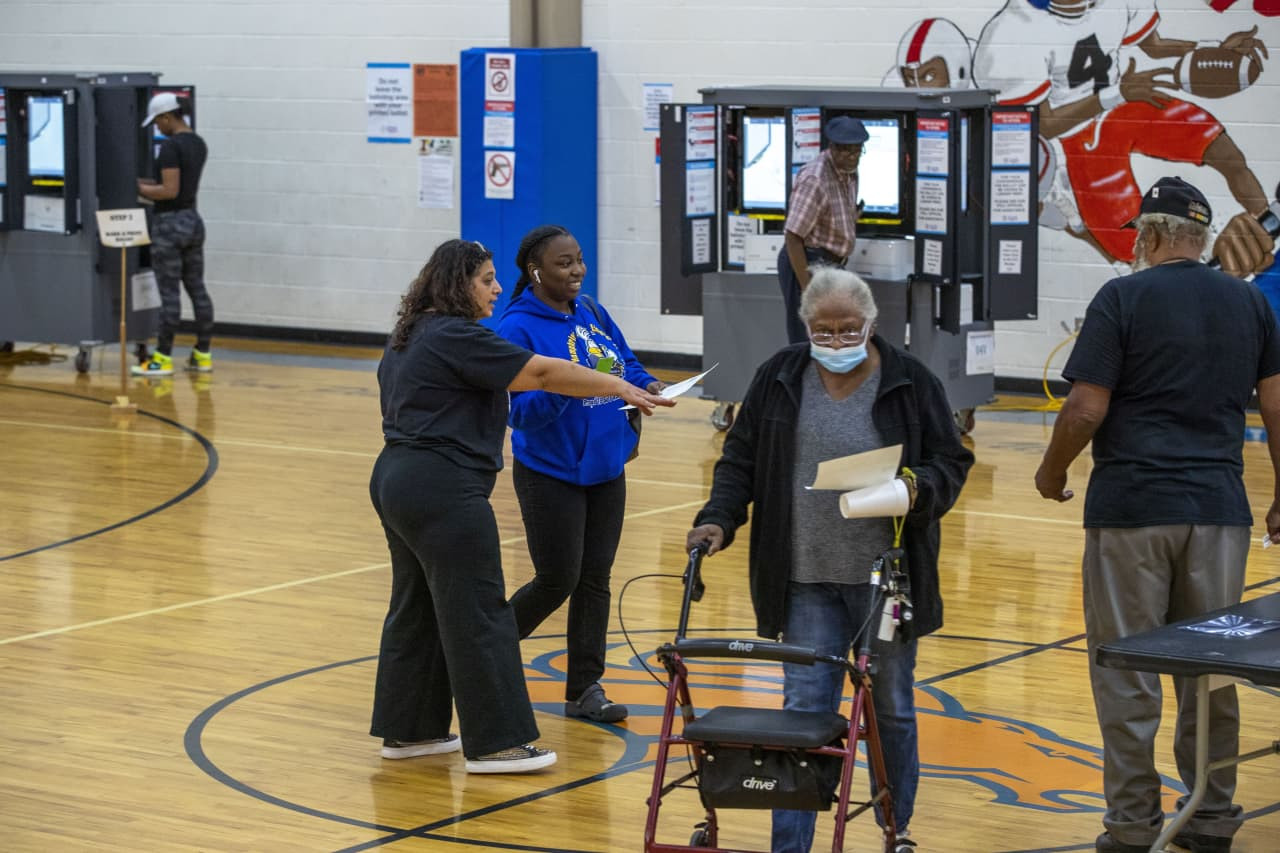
column 195, row 751
column 192, row 742
column 210, row 469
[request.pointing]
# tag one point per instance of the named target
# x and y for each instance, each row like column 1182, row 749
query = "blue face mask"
column 839, row 360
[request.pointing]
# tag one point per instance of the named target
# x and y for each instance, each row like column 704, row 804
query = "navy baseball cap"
column 1175, row 197
column 846, row 130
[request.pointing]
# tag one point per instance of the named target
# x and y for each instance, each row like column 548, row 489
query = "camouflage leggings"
column 177, row 256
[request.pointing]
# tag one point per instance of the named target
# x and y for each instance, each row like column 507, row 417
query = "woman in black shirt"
column 443, row 382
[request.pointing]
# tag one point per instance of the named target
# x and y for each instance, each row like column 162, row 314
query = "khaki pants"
column 1136, row 579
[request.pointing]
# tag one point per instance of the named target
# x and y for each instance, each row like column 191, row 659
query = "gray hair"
column 833, row 281
column 1175, row 229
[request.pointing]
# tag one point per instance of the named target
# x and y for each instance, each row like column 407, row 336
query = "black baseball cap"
column 846, row 130
column 1175, row 197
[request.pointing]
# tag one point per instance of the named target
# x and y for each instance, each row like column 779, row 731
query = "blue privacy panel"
column 554, row 147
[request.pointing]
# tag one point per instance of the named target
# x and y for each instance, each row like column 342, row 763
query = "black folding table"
column 1227, row 653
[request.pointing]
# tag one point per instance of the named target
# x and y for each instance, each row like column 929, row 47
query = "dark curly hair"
column 443, row 286
column 531, row 248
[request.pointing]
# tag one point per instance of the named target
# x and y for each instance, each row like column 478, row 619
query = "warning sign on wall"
column 499, row 174
column 500, row 77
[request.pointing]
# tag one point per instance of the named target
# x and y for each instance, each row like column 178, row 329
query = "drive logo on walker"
column 759, row 783
column 739, row 646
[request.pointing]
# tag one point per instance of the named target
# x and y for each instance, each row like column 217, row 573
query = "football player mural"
column 1074, row 58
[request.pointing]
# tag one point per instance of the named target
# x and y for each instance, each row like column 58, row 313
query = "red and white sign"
column 499, row 174
column 499, row 76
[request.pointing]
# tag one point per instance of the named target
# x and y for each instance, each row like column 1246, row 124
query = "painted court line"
column 366, row 454
column 124, row 617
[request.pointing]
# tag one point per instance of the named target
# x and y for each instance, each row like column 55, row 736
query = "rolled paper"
column 885, row 499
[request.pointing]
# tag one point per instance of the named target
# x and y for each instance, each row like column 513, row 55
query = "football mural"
column 1110, row 85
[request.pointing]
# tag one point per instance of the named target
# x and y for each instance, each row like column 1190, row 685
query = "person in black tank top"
column 177, row 238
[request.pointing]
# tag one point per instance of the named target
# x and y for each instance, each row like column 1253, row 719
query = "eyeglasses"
column 848, row 337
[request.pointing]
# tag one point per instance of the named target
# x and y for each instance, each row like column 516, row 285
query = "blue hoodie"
column 579, row 441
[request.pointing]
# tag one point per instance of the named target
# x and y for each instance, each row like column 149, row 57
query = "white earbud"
column 537, row 276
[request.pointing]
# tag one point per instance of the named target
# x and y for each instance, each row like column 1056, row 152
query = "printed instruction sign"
column 981, row 353
column 499, row 174
column 435, row 172
column 932, row 261
column 1010, row 258
column 739, row 229
column 931, row 205
column 1010, row 197
column 654, row 96
column 499, row 124
column 700, row 133
column 435, row 100
column 931, row 145
column 700, row 231
column 499, row 76
column 1010, row 139
column 700, row 188
column 389, row 101
column 146, row 294
column 806, row 135
column 123, row 228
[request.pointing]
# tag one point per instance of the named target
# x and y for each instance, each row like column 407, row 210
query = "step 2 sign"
column 123, row 228
column 499, row 174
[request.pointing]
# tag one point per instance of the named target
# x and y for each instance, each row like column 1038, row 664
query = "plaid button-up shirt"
column 821, row 209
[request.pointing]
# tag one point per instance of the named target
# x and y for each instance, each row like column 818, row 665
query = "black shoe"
column 1107, row 844
column 594, row 705
column 1199, row 843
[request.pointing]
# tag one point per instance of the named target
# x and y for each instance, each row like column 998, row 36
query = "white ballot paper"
column 869, row 482
column 676, row 389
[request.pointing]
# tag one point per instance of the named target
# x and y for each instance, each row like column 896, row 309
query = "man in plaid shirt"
column 822, row 215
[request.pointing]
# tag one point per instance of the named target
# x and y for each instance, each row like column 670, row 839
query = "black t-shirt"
column 447, row 389
column 185, row 152
column 1181, row 347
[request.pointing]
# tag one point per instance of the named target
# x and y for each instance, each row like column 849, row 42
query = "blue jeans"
column 827, row 616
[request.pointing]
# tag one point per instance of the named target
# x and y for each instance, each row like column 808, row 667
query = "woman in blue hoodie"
column 569, row 458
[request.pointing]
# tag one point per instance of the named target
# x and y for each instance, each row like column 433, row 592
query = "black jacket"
column 759, row 458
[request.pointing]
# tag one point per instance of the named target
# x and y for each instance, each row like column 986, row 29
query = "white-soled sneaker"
column 517, row 759
column 437, row 746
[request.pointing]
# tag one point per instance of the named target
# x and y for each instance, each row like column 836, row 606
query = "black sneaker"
column 594, row 705
column 1197, row 842
column 1107, row 844
column 517, row 759
column 405, row 749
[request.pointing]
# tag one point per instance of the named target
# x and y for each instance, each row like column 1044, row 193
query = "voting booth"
column 70, row 145
column 946, row 237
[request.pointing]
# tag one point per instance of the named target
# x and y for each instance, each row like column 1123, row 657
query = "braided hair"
column 443, row 286
column 531, row 248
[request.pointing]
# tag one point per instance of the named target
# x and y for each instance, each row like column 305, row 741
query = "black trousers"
column 573, row 534
column 449, row 634
column 177, row 257
column 790, row 284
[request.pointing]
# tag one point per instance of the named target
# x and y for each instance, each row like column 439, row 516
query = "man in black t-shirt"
column 177, row 239
column 1164, row 368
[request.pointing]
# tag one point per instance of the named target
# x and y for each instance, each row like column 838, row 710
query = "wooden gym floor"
column 193, row 596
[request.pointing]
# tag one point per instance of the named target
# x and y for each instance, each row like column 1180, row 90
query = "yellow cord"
column 910, row 476
column 1051, row 404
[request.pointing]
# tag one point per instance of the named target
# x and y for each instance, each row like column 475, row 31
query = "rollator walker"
column 764, row 758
